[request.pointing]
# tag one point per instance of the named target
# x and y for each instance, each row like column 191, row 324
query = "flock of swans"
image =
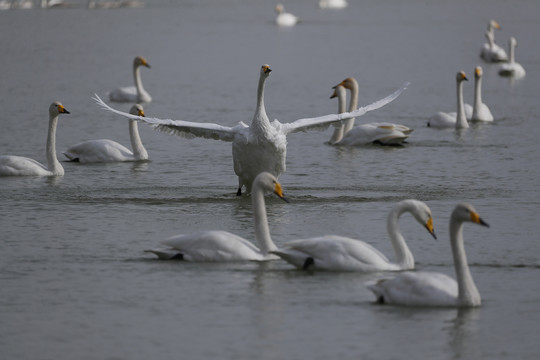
column 49, row 4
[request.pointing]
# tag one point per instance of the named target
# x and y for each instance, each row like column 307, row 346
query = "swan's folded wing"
column 180, row 127
column 322, row 122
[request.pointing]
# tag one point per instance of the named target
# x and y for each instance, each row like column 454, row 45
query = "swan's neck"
column 262, row 232
column 511, row 50
column 467, row 292
column 54, row 165
column 337, row 136
column 261, row 123
column 138, row 82
column 477, row 93
column 461, row 120
column 353, row 104
column 139, row 152
column 404, row 257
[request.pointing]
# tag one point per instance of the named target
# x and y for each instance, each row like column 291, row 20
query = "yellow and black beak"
column 278, row 190
column 429, row 227
column 335, row 92
column 475, row 218
column 62, row 110
column 266, row 69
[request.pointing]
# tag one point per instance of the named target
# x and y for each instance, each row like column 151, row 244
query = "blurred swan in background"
column 261, row 146
column 338, row 253
column 491, row 52
column 284, row 18
column 452, row 120
column 481, row 111
column 436, row 289
column 22, row 166
column 221, row 246
column 512, row 68
column 133, row 94
column 104, row 150
column 333, row 4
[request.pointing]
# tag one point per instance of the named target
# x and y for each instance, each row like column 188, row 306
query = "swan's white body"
column 133, row 94
column 481, row 111
column 491, row 52
column 333, row 4
column 258, row 147
column 22, row 166
column 222, row 246
column 104, row 150
column 452, row 120
column 283, row 18
column 371, row 133
column 512, row 68
column 338, row 253
column 436, row 289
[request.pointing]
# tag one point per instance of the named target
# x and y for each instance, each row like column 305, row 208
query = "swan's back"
column 11, row 165
column 442, row 120
column 102, row 150
column 373, row 133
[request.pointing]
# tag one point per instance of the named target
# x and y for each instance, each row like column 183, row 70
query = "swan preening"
column 222, row 246
column 480, row 110
column 104, row 150
column 492, row 52
column 512, row 68
column 261, row 146
column 22, row 166
column 283, row 18
column 452, row 120
column 346, row 134
column 133, row 94
column 436, row 289
column 338, row 253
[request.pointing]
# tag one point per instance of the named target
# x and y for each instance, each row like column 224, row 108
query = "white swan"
column 261, row 146
column 436, row 289
column 134, row 94
column 221, row 246
column 452, row 120
column 512, row 68
column 338, row 253
column 333, row 4
column 104, row 150
column 22, row 166
column 491, row 52
column 481, row 111
column 284, row 18
column 379, row 133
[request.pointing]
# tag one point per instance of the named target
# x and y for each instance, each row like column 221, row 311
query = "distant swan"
column 492, row 52
column 261, row 146
column 105, row 150
column 481, row 111
column 379, row 133
column 436, row 289
column 512, row 68
column 333, row 4
column 452, row 120
column 133, row 94
column 338, row 253
column 221, row 246
column 284, row 18
column 22, row 166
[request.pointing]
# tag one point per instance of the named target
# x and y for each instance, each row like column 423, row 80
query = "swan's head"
column 461, row 76
column 137, row 109
column 512, row 41
column 466, row 212
column 57, row 108
column 422, row 214
column 339, row 92
column 279, row 8
column 349, row 83
column 265, row 70
column 494, row 25
column 269, row 183
column 140, row 61
column 478, row 72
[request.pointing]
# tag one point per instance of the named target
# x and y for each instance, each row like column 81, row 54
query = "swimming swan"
column 491, row 52
column 512, row 68
column 104, row 150
column 481, row 111
column 436, row 289
column 221, row 246
column 284, row 18
column 452, row 120
column 22, row 166
column 261, row 146
column 338, row 253
column 333, row 4
column 133, row 94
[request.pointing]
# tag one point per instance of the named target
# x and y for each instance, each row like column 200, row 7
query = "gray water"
column 75, row 282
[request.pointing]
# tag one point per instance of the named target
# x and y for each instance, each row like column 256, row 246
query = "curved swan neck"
column 262, row 231
column 477, row 92
column 54, row 165
column 467, row 292
column 337, row 136
column 461, row 119
column 138, row 81
column 353, row 104
column 404, row 257
column 139, row 152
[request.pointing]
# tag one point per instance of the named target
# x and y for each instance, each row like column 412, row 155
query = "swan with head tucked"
column 22, row 166
column 452, row 120
column 104, row 150
column 261, row 146
column 481, row 111
column 338, row 253
column 371, row 133
column 491, row 52
column 283, row 18
column 222, row 246
column 133, row 94
column 436, row 289
column 333, row 4
column 512, row 68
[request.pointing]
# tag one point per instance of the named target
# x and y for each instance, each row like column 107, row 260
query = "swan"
column 379, row 133
column 105, row 150
column 22, row 166
column 436, row 289
column 452, row 120
column 134, row 94
column 491, row 52
column 284, row 18
column 338, row 253
column 333, row 4
column 221, row 246
column 481, row 111
column 261, row 146
column 512, row 68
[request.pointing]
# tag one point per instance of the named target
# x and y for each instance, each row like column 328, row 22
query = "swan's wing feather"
column 322, row 122
column 180, row 127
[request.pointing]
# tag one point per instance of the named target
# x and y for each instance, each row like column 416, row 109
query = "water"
column 75, row 280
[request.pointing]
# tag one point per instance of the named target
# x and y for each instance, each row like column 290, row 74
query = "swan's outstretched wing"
column 179, row 127
column 322, row 122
